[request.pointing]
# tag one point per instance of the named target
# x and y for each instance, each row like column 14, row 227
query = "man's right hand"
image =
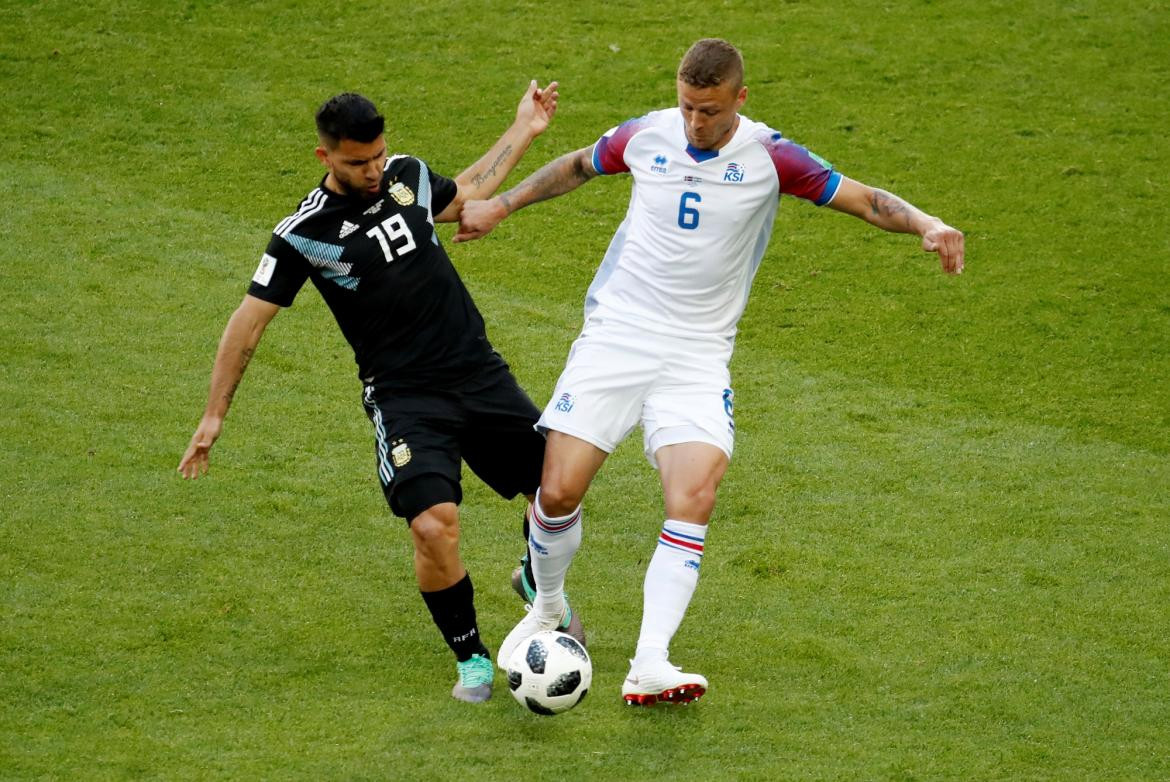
column 478, row 218
column 195, row 460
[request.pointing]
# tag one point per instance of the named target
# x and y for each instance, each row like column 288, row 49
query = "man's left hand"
column 948, row 243
column 537, row 107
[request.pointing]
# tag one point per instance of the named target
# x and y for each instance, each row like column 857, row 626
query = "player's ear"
column 741, row 97
column 323, row 156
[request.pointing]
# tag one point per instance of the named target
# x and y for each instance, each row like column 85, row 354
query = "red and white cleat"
column 662, row 682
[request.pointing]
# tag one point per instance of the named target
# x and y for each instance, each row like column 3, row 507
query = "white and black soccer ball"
column 550, row 672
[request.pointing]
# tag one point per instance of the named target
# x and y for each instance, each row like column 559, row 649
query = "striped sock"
column 552, row 542
column 670, row 582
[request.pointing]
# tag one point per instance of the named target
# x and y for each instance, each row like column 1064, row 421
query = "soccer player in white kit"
column 660, row 323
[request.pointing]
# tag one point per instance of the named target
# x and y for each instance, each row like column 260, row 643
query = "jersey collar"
column 703, row 155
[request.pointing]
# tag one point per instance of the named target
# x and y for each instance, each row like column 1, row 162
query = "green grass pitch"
column 942, row 550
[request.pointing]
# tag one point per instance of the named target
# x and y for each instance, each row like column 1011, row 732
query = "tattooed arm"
column 890, row 213
column 236, row 347
column 562, row 175
column 485, row 175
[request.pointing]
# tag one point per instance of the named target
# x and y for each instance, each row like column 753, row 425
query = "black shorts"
column 486, row 421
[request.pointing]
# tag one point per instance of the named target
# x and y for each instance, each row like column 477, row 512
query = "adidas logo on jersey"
column 346, row 229
column 373, row 210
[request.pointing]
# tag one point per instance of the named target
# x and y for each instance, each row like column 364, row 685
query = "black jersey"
column 379, row 266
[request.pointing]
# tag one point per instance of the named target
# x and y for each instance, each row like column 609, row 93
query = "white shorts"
column 617, row 376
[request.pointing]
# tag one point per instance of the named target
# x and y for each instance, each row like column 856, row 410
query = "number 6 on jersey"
column 688, row 216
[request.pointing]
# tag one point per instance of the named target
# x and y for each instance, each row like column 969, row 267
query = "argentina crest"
column 401, row 194
column 400, row 453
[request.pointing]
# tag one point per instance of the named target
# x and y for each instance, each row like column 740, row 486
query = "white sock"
column 670, row 582
column 552, row 542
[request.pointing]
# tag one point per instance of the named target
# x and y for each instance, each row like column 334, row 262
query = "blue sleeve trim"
column 597, row 160
column 830, row 189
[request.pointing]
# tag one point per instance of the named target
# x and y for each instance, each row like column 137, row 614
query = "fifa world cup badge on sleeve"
column 264, row 271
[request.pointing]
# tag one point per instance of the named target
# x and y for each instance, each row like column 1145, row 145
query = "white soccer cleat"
column 530, row 625
column 527, row 593
column 661, row 682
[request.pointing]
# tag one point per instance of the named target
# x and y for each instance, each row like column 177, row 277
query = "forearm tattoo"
column 889, row 206
column 479, row 179
column 245, row 357
column 554, row 179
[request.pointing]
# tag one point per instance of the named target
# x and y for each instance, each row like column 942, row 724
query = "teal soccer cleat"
column 475, row 679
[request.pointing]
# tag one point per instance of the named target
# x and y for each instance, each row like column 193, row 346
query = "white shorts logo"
column 264, row 271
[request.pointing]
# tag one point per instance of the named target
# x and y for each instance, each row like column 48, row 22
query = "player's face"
column 355, row 167
column 710, row 114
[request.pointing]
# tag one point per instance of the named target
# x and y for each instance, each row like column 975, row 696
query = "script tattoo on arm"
column 245, row 357
column 479, row 179
column 889, row 208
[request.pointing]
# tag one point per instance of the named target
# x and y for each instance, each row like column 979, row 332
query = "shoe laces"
column 475, row 671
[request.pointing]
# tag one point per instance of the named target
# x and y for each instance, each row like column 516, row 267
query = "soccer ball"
column 550, row 672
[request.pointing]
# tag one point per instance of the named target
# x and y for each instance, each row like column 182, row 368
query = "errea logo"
column 659, row 164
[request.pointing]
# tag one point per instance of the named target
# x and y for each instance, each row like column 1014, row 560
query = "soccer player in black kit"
column 433, row 387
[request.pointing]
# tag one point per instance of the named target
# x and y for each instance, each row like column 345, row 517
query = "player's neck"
column 333, row 186
column 728, row 136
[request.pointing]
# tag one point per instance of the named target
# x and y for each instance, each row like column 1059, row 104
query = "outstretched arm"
column 890, row 213
column 566, row 173
column 483, row 177
column 239, row 341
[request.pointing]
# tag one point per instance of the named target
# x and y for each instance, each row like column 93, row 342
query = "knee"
column 435, row 528
column 704, row 501
column 695, row 504
column 557, row 498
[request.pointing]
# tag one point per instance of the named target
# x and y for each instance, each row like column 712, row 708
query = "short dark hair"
column 350, row 116
column 711, row 62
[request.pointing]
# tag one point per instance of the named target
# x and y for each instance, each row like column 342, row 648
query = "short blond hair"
column 711, row 62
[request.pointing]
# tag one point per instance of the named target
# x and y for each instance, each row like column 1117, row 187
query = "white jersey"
column 683, row 259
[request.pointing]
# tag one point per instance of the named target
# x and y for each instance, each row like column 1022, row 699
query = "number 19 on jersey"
column 390, row 231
